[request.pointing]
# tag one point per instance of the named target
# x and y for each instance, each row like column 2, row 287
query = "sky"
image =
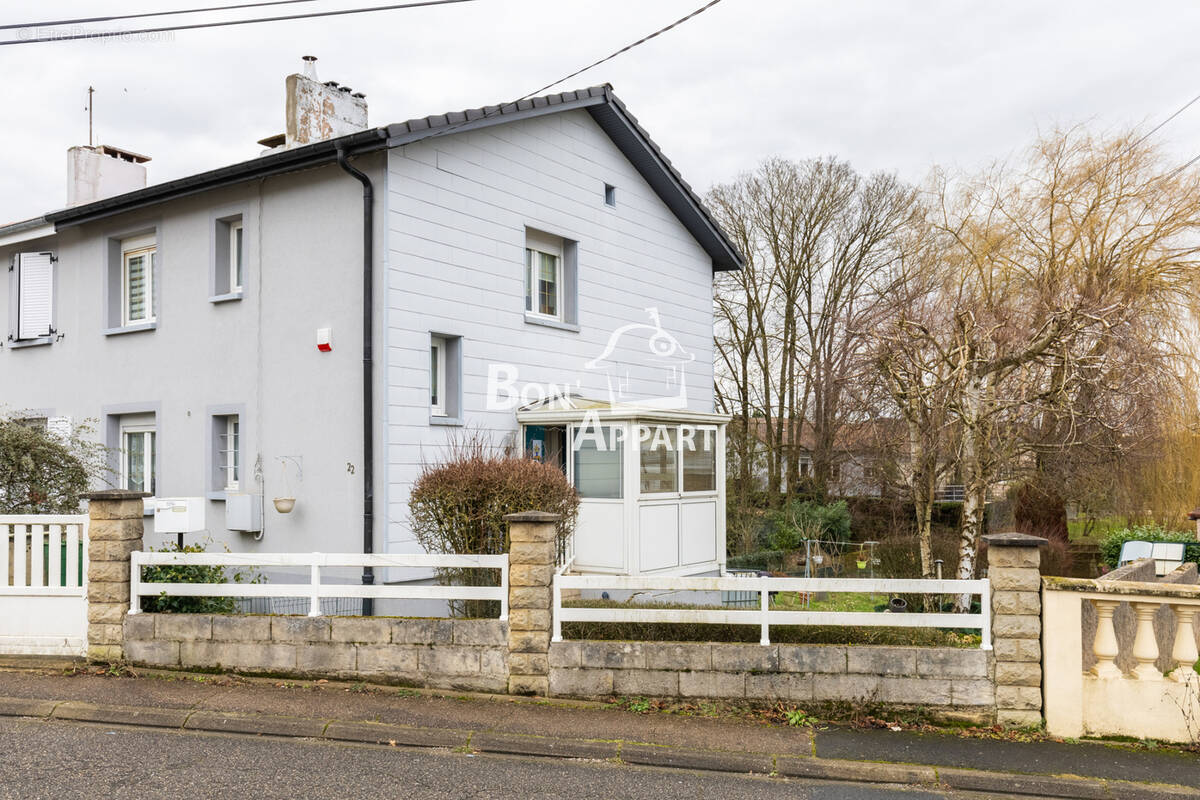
column 889, row 85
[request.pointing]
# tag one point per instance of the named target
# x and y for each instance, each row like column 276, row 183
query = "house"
column 318, row 321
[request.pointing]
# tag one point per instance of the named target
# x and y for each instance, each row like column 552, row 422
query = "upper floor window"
column 236, row 256
column 32, row 287
column 543, row 276
column 229, row 260
column 137, row 280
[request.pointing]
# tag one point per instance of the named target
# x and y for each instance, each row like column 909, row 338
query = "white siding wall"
column 458, row 208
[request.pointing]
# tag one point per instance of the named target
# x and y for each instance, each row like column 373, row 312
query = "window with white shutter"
column 35, row 295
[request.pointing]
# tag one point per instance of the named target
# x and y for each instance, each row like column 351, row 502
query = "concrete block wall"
column 940, row 678
column 470, row 655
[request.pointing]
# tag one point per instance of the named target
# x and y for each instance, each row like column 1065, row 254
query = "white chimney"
column 95, row 173
column 318, row 111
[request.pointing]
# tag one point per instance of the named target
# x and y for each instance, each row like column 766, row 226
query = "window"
column 437, row 376
column 33, row 291
column 551, row 281
column 137, row 458
column 228, row 455
column 229, row 258
column 610, row 194
column 598, row 462
column 235, row 255
column 137, row 281
column 699, row 459
column 543, row 282
column 659, row 462
column 445, row 379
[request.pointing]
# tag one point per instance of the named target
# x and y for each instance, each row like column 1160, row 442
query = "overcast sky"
column 888, row 85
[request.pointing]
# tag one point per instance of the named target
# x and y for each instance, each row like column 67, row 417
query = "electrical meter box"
column 179, row 514
column 243, row 512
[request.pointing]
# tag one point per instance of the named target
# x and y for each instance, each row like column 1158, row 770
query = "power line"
column 626, row 49
column 609, row 57
column 227, row 23
column 82, row 20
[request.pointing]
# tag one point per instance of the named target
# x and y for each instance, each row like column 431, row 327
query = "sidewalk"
column 499, row 724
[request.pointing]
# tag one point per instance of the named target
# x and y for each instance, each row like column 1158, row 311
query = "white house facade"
column 224, row 330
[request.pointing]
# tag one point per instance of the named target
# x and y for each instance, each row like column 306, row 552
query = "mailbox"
column 179, row 514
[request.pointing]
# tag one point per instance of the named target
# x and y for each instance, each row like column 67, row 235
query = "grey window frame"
column 452, row 400
column 216, row 482
column 220, row 276
column 114, row 288
column 568, row 276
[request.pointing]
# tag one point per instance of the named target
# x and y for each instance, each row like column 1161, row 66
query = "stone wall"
column 469, row 655
column 939, row 678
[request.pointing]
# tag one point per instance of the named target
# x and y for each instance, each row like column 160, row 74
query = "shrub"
column 789, row 527
column 459, row 507
column 42, row 473
column 1110, row 546
column 192, row 573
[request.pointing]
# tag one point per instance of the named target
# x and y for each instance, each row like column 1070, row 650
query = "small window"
column 33, row 290
column 610, row 194
column 228, row 456
column 137, row 281
column 659, row 459
column 437, row 376
column 597, row 462
column 137, row 458
column 235, row 255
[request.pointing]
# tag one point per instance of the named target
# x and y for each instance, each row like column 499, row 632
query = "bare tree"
column 793, row 327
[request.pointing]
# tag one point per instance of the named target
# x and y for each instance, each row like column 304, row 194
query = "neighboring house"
column 864, row 456
column 215, row 325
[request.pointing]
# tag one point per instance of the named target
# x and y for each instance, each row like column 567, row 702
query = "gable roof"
column 599, row 101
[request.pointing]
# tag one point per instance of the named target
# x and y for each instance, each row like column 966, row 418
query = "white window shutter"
column 59, row 427
column 35, row 294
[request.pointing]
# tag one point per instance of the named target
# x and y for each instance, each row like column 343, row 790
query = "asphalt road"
column 63, row 760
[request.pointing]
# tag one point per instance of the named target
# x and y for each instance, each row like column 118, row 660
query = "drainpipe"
column 368, row 411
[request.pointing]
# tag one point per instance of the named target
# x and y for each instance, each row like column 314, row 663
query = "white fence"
column 764, row 616
column 315, row 590
column 43, row 602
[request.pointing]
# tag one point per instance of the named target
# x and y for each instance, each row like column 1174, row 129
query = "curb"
column 376, row 733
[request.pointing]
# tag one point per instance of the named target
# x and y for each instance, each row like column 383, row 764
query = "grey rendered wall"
column 458, row 210
column 303, row 239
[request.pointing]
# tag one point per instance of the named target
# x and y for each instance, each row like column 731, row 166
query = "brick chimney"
column 318, row 111
column 95, row 173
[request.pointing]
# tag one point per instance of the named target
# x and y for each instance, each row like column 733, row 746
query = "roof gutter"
column 312, row 155
column 368, row 382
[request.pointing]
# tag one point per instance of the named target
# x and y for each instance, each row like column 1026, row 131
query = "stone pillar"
column 1014, row 561
column 114, row 531
column 531, row 562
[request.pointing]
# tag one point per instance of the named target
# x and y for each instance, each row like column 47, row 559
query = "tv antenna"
column 91, row 91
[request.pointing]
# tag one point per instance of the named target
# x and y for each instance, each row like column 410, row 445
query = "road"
column 63, row 760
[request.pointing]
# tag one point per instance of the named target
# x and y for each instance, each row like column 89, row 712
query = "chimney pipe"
column 310, row 67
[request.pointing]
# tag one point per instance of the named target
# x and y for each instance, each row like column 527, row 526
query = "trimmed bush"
column 459, row 507
column 1110, row 546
